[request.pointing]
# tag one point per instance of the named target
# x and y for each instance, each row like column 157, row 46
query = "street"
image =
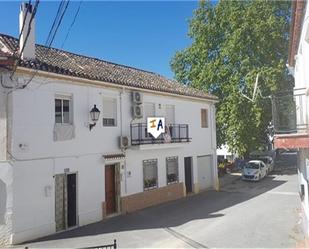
column 243, row 214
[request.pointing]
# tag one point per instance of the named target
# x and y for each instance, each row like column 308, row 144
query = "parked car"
column 268, row 162
column 254, row 170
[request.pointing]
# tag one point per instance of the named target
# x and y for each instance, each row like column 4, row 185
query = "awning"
column 114, row 156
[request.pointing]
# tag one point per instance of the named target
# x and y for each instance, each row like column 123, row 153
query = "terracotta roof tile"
column 66, row 63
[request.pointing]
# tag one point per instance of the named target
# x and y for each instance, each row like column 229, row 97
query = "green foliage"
column 232, row 41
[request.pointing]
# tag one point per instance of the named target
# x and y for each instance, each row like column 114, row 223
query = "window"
column 150, row 168
column 64, row 128
column 169, row 114
column 63, row 110
column 149, row 111
column 204, row 118
column 109, row 111
column 172, row 169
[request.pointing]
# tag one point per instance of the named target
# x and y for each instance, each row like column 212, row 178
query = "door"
column 65, row 201
column 204, row 171
column 188, row 174
column 71, row 189
column 110, row 190
column 60, row 202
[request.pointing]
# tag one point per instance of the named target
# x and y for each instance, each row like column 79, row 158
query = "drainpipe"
column 214, row 146
column 122, row 92
column 120, row 96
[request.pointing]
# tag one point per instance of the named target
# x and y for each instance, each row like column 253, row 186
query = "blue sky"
column 141, row 34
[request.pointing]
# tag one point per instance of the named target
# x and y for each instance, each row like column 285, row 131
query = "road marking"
column 282, row 193
column 184, row 238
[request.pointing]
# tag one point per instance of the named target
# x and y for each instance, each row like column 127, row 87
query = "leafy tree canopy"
column 232, row 41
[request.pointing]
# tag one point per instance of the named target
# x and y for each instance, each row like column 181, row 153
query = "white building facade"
column 56, row 173
column 301, row 92
column 299, row 137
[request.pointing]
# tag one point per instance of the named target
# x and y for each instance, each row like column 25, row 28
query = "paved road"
column 242, row 214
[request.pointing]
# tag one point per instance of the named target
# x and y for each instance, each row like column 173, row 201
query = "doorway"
column 65, row 201
column 205, row 172
column 188, row 174
column 110, row 189
column 71, row 185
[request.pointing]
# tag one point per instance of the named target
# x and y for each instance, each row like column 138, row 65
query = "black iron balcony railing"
column 174, row 133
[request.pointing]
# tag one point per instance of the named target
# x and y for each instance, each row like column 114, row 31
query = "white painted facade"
column 33, row 158
column 36, row 149
column 301, row 92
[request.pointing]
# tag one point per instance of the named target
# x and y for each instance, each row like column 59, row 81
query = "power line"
column 56, row 20
column 27, row 35
column 52, row 33
column 72, row 24
column 24, row 21
column 60, row 20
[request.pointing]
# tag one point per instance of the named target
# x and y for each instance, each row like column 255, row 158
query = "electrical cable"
column 24, row 21
column 56, row 20
column 26, row 38
column 61, row 17
column 72, row 24
column 51, row 36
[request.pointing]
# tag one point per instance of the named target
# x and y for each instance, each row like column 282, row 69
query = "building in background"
column 74, row 142
column 224, row 153
column 292, row 114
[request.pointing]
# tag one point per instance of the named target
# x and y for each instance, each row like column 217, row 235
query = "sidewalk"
column 229, row 178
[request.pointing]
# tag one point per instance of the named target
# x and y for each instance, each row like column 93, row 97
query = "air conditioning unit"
column 123, row 142
column 137, row 111
column 137, row 97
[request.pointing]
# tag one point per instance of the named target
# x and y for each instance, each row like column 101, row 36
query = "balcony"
column 175, row 133
column 290, row 119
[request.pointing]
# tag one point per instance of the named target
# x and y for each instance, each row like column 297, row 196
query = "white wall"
column 3, row 123
column 301, row 88
column 33, row 121
column 33, row 209
column 37, row 157
column 301, row 73
column 6, row 203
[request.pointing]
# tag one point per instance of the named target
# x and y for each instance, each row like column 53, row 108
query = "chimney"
column 29, row 50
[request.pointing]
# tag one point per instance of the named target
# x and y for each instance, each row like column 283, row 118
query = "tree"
column 232, row 41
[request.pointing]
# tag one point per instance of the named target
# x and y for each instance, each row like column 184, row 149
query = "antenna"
column 255, row 87
column 254, row 90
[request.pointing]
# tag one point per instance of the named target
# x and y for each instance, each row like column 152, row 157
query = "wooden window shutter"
column 204, row 118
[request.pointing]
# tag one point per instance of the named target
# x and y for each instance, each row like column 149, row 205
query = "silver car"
column 254, row 170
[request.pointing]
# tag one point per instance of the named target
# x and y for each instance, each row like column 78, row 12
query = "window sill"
column 64, row 124
column 150, row 188
column 170, row 183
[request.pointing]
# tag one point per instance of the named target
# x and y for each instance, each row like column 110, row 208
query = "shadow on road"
column 206, row 205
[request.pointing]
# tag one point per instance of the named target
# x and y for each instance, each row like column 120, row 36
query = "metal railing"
column 174, row 133
column 110, row 246
column 290, row 114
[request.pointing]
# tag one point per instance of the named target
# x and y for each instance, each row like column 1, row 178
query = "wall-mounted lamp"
column 94, row 115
